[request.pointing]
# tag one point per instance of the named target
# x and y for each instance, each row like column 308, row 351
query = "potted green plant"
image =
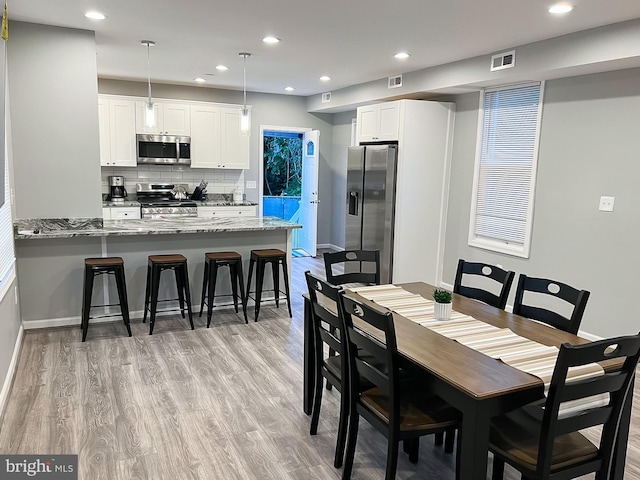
column 442, row 307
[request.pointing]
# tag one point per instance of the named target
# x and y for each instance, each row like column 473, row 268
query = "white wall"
column 54, row 117
column 589, row 146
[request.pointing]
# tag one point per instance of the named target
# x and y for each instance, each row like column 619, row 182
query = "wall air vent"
column 326, row 97
column 503, row 60
column 395, row 81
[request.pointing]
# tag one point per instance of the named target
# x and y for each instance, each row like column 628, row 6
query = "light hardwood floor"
column 218, row 403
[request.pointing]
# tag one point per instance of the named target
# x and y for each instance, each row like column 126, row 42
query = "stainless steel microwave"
column 163, row 149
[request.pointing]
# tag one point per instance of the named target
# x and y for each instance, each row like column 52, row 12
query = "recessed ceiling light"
column 199, row 80
column 270, row 39
column 402, row 55
column 289, row 89
column 325, row 78
column 222, row 68
column 561, row 8
column 95, row 15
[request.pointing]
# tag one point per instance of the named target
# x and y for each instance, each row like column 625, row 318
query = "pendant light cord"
column 149, row 71
column 244, row 82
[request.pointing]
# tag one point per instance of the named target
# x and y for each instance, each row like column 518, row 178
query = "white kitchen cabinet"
column 234, row 144
column 120, row 213
column 227, row 211
column 216, row 139
column 422, row 189
column 205, row 136
column 117, row 131
column 171, row 118
column 379, row 123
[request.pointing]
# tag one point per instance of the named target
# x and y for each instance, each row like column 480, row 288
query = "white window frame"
column 495, row 244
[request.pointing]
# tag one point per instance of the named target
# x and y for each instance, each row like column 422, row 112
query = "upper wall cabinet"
column 117, row 120
column 234, row 144
column 205, row 136
column 216, row 140
column 379, row 123
column 171, row 119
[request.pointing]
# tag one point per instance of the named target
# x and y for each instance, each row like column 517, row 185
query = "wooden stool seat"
column 220, row 256
column 267, row 253
column 276, row 258
column 174, row 258
column 103, row 262
column 213, row 260
column 101, row 266
column 156, row 265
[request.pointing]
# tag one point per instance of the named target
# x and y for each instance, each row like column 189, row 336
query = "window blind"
column 7, row 256
column 505, row 169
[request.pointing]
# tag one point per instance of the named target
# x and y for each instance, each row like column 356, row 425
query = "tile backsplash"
column 220, row 181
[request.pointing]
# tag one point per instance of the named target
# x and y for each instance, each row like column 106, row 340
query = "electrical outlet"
column 606, row 204
column 251, row 184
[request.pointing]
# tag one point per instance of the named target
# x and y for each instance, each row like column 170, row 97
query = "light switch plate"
column 606, row 204
column 251, row 184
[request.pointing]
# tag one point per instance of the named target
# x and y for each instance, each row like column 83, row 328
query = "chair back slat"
column 577, row 298
column 327, row 325
column 562, row 389
column 353, row 266
column 503, row 277
column 592, row 386
column 373, row 359
column 582, row 420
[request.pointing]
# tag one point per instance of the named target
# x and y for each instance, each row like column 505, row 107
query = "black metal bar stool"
column 157, row 264
column 100, row 266
column 275, row 257
column 212, row 261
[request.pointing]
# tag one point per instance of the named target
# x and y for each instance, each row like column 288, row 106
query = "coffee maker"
column 117, row 192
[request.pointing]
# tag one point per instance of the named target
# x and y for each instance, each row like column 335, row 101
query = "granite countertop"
column 125, row 203
column 225, row 203
column 96, row 227
column 206, row 203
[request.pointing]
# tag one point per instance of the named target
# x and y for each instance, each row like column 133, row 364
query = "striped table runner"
column 499, row 343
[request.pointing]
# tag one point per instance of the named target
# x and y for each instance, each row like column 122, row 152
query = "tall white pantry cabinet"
column 424, row 133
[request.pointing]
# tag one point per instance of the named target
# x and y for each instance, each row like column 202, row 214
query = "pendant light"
column 150, row 114
column 245, row 121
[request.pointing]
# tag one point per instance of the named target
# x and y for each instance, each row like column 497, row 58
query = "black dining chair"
column 353, row 266
column 577, row 299
column 544, row 443
column 401, row 410
column 327, row 329
column 501, row 279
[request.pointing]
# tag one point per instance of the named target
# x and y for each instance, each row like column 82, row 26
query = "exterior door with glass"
column 309, row 195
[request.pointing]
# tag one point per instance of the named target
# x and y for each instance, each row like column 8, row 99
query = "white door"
column 309, row 196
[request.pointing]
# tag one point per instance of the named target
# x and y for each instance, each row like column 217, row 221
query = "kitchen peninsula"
column 50, row 257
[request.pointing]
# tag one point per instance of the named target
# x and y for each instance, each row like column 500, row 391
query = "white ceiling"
column 353, row 41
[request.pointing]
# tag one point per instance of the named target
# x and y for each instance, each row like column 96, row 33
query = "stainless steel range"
column 164, row 200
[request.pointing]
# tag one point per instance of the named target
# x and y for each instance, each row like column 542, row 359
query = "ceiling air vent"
column 395, row 81
column 326, row 97
column 503, row 60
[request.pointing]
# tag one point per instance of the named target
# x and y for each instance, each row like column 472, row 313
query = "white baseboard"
column 8, row 380
column 330, row 246
column 75, row 321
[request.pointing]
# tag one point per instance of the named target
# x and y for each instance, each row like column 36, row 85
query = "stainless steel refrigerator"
column 371, row 195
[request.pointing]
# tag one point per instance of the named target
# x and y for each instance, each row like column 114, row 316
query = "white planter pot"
column 442, row 311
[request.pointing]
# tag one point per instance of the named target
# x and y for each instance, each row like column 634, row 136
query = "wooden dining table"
column 479, row 386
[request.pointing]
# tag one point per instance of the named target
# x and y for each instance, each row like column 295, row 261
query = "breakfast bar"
column 50, row 255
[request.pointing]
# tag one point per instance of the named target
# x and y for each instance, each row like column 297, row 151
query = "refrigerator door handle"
column 353, row 203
